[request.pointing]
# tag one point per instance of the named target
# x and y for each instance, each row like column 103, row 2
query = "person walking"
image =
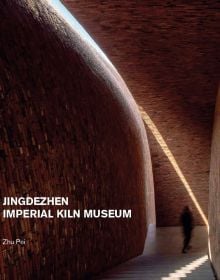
column 187, row 224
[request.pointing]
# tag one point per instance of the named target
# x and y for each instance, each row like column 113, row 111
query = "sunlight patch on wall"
column 159, row 138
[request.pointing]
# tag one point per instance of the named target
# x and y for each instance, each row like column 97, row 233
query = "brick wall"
column 68, row 127
column 214, row 199
column 168, row 54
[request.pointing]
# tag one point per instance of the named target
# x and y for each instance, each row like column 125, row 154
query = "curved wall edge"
column 69, row 127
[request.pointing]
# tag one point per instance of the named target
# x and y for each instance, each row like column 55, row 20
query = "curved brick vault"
column 69, row 127
column 168, row 54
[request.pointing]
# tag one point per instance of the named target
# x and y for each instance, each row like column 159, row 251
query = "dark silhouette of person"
column 187, row 224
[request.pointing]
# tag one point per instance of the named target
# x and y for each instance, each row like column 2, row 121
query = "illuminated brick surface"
column 68, row 128
column 214, row 199
column 168, row 54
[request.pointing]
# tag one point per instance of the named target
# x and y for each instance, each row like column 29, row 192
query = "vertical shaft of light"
column 168, row 153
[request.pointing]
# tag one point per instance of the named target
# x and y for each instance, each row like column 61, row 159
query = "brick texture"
column 214, row 198
column 68, row 127
column 168, row 54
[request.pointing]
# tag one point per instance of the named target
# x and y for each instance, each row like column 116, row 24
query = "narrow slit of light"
column 73, row 23
column 159, row 138
column 187, row 269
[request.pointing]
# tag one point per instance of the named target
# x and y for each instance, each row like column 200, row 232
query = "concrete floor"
column 162, row 258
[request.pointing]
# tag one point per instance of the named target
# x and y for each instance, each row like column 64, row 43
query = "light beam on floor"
column 159, row 138
column 187, row 269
